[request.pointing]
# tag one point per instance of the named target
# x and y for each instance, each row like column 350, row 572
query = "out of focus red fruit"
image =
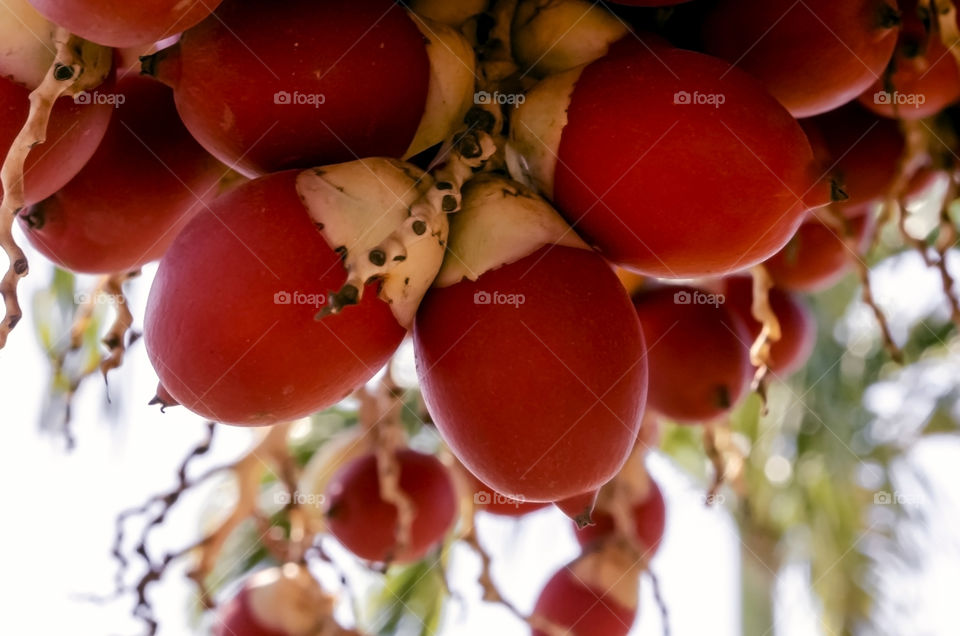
column 366, row 524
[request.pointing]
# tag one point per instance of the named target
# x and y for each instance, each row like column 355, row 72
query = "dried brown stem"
column 116, row 337
column 78, row 65
column 380, row 412
column 769, row 330
column 835, row 219
column 269, row 453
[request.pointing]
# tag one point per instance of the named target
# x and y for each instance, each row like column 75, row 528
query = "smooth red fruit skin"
column 365, row 57
column 699, row 367
column 922, row 66
column 366, row 524
column 798, row 327
column 582, row 609
column 541, row 400
column 236, row 618
column 144, row 183
column 649, row 518
column 73, row 134
column 816, row 257
column 655, row 184
column 812, row 56
column 859, row 150
column 221, row 344
column 486, row 499
column 125, row 22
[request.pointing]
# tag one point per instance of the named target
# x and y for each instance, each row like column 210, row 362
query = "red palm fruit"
column 124, row 23
column 73, row 134
column 925, row 77
column 699, row 366
column 652, row 156
column 534, row 373
column 367, row 525
column 230, row 322
column 860, row 151
column 649, row 519
column 798, row 327
column 345, row 80
column 817, row 256
column 283, row 601
column 486, row 499
column 146, row 180
column 812, row 56
column 595, row 595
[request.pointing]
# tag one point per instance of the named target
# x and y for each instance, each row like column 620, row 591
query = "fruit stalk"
column 116, row 337
column 379, row 413
column 770, row 330
column 78, row 66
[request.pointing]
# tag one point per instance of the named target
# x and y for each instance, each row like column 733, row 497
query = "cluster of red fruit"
column 350, row 130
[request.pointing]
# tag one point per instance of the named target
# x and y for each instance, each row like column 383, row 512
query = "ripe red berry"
column 925, row 77
column 114, row 23
column 271, row 86
column 859, row 150
column 146, row 180
column 534, row 373
column 817, row 256
column 699, row 366
column 367, row 525
column 812, row 56
column 798, row 327
column 649, row 519
column 596, row 595
column 230, row 322
column 73, row 134
column 652, row 156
